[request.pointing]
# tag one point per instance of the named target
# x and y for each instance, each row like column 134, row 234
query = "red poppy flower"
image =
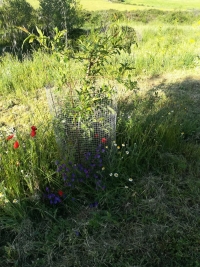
column 60, row 193
column 33, row 128
column 103, row 140
column 33, row 133
column 96, row 135
column 10, row 137
column 16, row 144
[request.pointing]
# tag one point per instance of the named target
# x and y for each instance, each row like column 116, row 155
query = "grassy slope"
column 170, row 4
column 135, row 4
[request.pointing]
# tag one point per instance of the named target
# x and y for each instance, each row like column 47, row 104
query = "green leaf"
column 39, row 32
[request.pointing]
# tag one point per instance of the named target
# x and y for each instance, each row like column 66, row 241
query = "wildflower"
column 96, row 135
column 123, row 144
column 103, row 140
column 130, row 179
column 60, row 193
column 16, row 144
column 118, row 147
column 1, row 195
column 111, row 174
column 94, row 205
column 33, row 133
column 77, row 233
column 126, row 186
column 106, row 146
column 6, row 200
column 33, row 128
column 10, row 137
column 15, row 201
column 115, row 144
column 103, row 168
column 127, row 152
column 116, row 174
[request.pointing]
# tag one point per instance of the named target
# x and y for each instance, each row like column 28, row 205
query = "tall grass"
column 173, row 47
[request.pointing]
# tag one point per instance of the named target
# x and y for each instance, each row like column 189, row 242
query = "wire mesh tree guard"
column 79, row 129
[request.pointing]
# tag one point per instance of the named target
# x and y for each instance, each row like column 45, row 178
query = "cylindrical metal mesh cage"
column 79, row 129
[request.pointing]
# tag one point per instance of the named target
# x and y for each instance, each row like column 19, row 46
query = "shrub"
column 63, row 14
column 16, row 13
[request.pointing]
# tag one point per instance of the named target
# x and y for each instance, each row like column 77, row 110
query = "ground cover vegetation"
column 135, row 201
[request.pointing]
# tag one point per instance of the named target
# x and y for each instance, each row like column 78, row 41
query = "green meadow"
column 135, row 202
column 135, row 5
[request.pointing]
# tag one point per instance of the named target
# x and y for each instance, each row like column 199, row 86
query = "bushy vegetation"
column 19, row 13
column 131, row 202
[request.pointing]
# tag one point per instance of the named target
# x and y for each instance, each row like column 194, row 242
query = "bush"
column 63, row 14
column 16, row 13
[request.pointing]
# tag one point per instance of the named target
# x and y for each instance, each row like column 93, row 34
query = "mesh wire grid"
column 77, row 132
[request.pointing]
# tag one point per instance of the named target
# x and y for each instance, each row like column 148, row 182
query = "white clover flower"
column 116, row 174
column 111, row 174
column 130, row 179
column 127, row 152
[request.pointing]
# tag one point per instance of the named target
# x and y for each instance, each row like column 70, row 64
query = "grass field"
column 92, row 5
